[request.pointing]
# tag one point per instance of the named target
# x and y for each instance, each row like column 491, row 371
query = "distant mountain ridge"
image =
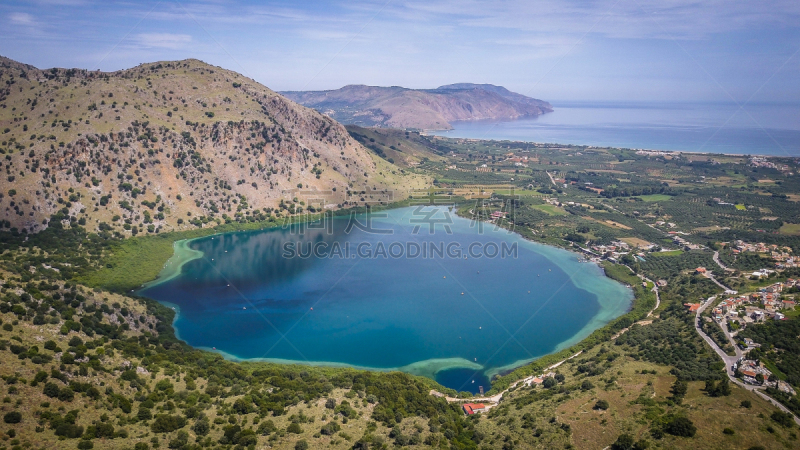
column 420, row 109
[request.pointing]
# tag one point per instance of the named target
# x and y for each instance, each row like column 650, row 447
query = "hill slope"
column 167, row 145
column 428, row 109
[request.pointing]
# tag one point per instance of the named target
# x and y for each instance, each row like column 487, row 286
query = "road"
column 730, row 360
column 655, row 289
column 711, row 277
column 551, row 178
column 719, row 263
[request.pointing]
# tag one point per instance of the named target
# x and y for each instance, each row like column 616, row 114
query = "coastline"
column 182, row 254
column 427, row 368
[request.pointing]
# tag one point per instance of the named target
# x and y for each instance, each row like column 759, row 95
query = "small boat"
column 244, row 307
column 462, row 293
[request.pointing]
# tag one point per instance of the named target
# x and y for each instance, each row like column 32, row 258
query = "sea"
column 752, row 129
column 416, row 289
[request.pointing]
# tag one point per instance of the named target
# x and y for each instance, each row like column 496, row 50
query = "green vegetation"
column 85, row 365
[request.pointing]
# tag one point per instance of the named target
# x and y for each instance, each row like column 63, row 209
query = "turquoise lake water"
column 756, row 129
column 459, row 318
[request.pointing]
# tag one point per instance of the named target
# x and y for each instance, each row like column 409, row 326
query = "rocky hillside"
column 428, row 109
column 169, row 145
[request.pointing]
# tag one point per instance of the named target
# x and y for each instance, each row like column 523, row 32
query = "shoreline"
column 609, row 310
column 432, row 133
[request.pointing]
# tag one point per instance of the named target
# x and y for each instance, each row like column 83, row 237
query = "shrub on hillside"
column 166, row 423
column 12, row 417
column 680, row 426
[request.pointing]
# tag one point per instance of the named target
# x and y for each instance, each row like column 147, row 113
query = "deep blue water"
column 758, row 129
column 245, row 299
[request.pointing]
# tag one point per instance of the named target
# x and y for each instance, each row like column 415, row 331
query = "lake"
column 418, row 290
column 758, row 129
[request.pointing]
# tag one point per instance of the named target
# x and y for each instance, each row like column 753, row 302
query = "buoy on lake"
column 244, row 307
column 462, row 293
column 480, row 328
column 312, row 308
column 444, row 277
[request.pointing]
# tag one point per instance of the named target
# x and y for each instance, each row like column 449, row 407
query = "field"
column 635, row 242
column 655, row 198
column 550, row 209
column 790, row 228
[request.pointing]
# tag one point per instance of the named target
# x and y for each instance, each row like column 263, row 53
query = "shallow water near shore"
column 457, row 317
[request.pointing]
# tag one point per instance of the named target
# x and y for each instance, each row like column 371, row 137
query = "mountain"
column 168, row 145
column 420, row 109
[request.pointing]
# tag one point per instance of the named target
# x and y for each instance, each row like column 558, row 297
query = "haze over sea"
column 755, row 129
column 457, row 319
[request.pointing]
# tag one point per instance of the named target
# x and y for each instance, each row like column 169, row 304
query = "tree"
column 623, row 442
column 587, row 385
column 783, row 419
column 680, row 426
column 601, row 405
column 266, row 427
column 301, row 445
column 330, row 403
column 678, row 390
column 166, row 423
column 13, row 417
column 51, row 390
column 201, row 427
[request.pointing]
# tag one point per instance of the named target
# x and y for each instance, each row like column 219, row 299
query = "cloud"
column 163, row 40
column 19, row 18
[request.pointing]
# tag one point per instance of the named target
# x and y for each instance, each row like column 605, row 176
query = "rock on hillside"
column 426, row 109
column 168, row 145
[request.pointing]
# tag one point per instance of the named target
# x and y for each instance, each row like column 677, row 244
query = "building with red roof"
column 472, row 408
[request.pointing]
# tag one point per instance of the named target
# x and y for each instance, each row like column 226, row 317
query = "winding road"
column 731, row 360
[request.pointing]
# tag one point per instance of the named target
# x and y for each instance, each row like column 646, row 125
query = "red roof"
column 749, row 373
column 472, row 408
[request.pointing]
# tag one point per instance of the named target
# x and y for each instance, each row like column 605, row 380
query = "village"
column 735, row 312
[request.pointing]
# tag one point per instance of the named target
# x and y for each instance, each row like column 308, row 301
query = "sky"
column 603, row 50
